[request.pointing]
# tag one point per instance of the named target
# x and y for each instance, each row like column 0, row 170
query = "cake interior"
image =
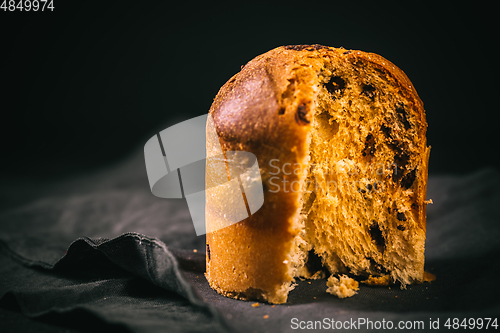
column 360, row 212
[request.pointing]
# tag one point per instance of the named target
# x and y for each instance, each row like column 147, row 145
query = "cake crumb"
column 255, row 305
column 195, row 250
column 342, row 287
column 266, row 316
column 377, row 281
column 429, row 277
column 318, row 275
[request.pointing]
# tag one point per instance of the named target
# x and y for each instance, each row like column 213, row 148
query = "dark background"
column 89, row 83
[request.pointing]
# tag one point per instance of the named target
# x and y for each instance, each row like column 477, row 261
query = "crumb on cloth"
column 342, row 287
column 382, row 281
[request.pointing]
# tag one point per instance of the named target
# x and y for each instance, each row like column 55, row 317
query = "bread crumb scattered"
column 377, row 281
column 342, row 287
column 195, row 250
column 255, row 305
column 318, row 275
column 429, row 277
column 266, row 316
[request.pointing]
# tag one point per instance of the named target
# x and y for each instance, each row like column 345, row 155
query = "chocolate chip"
column 414, row 206
column 301, row 115
column 409, row 179
column 400, row 109
column 296, row 47
column 400, row 227
column 320, row 47
column 395, row 146
column 368, row 91
column 397, row 173
column 281, row 111
column 208, row 251
column 401, row 159
column 369, row 187
column 369, row 146
column 347, row 52
column 387, row 131
column 361, row 190
column 335, row 85
column 377, row 236
column 401, row 216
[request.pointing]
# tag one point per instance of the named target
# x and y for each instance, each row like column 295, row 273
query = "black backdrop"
column 86, row 85
column 90, row 82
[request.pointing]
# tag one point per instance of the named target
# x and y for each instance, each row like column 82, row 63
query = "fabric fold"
column 130, row 257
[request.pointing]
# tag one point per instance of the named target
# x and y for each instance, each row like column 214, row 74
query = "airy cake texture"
column 340, row 140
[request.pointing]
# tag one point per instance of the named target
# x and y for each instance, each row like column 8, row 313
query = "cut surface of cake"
column 340, row 139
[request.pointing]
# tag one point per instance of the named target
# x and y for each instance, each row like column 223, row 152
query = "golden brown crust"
column 246, row 117
column 400, row 76
column 253, row 112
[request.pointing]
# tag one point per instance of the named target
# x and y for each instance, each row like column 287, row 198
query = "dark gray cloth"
column 99, row 252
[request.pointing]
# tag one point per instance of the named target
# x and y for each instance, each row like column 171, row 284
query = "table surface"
column 98, row 251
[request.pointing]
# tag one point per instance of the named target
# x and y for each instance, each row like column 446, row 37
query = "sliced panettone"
column 340, row 140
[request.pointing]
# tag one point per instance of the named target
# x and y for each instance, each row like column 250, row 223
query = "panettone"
column 340, row 139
